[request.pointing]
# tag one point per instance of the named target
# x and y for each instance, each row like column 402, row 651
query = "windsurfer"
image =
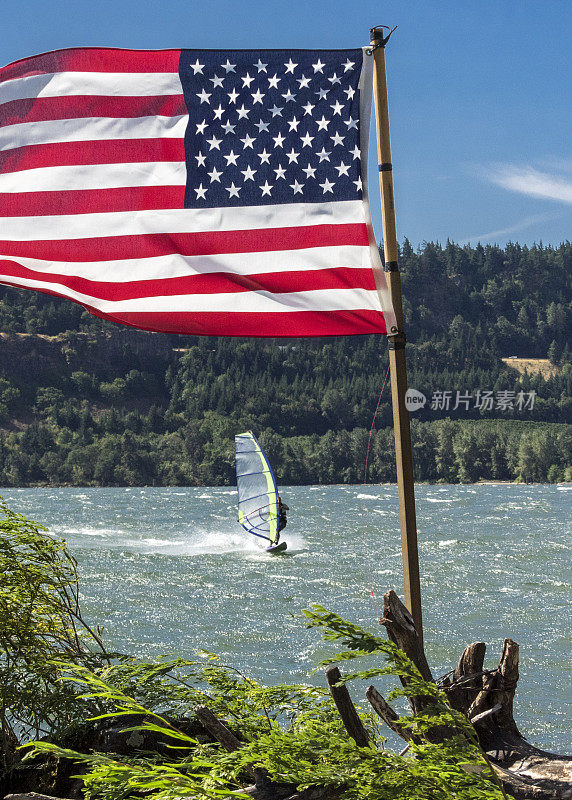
column 282, row 509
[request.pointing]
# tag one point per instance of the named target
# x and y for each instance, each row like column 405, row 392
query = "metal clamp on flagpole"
column 397, row 341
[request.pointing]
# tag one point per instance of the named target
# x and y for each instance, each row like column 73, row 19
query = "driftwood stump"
column 486, row 697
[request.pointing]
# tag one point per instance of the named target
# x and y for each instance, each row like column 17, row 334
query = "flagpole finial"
column 377, row 38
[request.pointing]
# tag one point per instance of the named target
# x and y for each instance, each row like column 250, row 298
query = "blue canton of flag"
column 271, row 127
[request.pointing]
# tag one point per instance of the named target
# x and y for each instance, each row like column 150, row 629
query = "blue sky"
column 479, row 92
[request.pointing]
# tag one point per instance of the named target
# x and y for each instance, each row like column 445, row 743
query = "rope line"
column 373, row 595
column 372, row 424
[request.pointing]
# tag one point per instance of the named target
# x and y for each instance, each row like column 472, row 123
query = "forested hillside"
column 85, row 402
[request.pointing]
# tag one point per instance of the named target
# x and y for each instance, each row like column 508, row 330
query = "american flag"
column 208, row 192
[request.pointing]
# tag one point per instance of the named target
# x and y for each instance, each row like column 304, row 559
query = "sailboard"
column 258, row 509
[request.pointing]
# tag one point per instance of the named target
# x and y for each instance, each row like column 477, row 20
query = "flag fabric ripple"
column 195, row 192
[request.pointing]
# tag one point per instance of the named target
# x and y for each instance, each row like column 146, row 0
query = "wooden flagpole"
column 398, row 370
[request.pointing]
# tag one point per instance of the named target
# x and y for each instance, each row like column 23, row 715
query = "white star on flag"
column 214, row 143
column 248, row 141
column 233, row 190
column 231, row 158
column 248, row 173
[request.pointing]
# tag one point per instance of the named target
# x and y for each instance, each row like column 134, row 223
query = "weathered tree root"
column 486, row 697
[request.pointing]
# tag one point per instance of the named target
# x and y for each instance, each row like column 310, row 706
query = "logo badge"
column 414, row 400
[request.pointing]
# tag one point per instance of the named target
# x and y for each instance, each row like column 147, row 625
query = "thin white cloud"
column 519, row 226
column 532, row 182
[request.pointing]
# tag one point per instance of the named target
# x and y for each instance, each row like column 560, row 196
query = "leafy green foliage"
column 307, row 747
column 298, row 738
column 40, row 620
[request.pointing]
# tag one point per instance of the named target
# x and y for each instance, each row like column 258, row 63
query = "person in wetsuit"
column 282, row 509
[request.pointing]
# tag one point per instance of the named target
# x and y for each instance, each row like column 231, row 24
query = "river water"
column 169, row 571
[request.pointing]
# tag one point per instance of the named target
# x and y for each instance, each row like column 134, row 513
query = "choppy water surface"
column 169, row 571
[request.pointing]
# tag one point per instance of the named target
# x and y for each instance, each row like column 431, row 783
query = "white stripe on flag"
column 110, row 84
column 95, row 176
column 179, row 266
column 89, row 129
column 183, row 220
column 235, row 302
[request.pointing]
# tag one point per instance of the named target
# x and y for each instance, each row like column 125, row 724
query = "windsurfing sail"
column 257, row 491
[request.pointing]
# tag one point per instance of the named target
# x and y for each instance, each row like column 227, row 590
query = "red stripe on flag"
column 41, row 109
column 188, row 244
column 209, row 283
column 270, row 324
column 94, row 59
column 113, row 151
column 91, row 201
